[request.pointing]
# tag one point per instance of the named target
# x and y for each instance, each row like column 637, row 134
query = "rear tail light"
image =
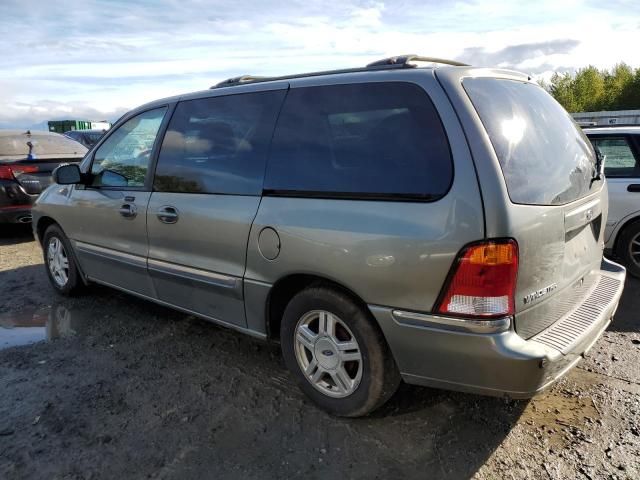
column 483, row 281
column 9, row 172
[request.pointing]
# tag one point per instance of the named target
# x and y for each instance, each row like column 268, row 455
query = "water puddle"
column 37, row 325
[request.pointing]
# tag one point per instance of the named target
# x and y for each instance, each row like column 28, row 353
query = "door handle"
column 128, row 210
column 167, row 214
column 634, row 187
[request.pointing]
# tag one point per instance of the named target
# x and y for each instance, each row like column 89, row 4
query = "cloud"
column 98, row 57
column 514, row 55
column 27, row 115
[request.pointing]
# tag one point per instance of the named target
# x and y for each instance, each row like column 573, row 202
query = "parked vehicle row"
column 26, row 162
column 382, row 223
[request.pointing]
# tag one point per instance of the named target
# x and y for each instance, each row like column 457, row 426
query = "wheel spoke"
column 341, row 379
column 350, row 356
column 313, row 365
column 315, row 378
column 348, row 351
column 64, row 262
column 52, row 250
column 326, row 324
column 306, row 337
column 348, row 345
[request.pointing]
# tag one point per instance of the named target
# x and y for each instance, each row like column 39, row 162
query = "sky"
column 95, row 59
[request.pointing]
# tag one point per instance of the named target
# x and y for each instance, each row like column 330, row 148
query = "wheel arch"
column 290, row 285
column 42, row 225
column 633, row 219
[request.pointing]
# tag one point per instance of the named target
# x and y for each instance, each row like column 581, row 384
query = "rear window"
column 15, row 145
column 372, row 140
column 545, row 157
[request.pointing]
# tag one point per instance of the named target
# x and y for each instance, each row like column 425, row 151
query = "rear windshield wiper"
column 598, row 174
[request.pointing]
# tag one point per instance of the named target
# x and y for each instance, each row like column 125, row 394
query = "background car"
column 621, row 146
column 26, row 162
column 88, row 138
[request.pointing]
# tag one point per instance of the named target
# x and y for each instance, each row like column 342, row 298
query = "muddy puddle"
column 36, row 325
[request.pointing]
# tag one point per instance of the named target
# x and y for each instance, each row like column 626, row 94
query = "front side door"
column 109, row 214
column 622, row 169
column 206, row 192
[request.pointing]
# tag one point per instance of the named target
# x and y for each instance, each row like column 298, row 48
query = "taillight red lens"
column 9, row 172
column 483, row 281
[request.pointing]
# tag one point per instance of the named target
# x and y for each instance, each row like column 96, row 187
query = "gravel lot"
column 127, row 389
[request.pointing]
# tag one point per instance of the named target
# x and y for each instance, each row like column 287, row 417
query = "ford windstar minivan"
column 440, row 225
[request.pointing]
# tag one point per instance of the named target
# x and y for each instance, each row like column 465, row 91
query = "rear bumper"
column 500, row 363
column 15, row 203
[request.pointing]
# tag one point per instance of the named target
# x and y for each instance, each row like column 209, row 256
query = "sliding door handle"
column 167, row 214
column 128, row 210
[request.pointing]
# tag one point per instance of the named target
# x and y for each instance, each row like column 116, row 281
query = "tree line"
column 590, row 89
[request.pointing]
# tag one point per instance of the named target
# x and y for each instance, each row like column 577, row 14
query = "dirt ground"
column 122, row 388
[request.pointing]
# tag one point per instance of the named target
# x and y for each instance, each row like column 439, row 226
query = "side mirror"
column 67, row 174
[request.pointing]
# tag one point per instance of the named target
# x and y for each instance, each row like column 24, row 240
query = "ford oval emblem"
column 589, row 215
column 327, row 353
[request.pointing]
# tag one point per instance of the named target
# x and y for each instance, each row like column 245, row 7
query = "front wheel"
column 337, row 353
column 60, row 262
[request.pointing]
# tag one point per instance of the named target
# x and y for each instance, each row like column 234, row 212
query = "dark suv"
column 443, row 226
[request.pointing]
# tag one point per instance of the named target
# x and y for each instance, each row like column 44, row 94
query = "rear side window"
column 545, row 157
column 372, row 140
column 218, row 144
column 620, row 160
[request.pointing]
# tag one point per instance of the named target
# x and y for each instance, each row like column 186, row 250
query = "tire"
column 626, row 248
column 372, row 379
column 65, row 281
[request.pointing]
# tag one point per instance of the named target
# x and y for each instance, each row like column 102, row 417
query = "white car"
column 621, row 146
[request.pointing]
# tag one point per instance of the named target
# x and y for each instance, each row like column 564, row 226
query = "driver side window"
column 123, row 159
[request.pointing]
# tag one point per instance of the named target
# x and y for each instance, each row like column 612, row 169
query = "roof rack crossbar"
column 238, row 80
column 405, row 60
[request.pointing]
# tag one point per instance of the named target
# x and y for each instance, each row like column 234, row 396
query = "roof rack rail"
column 401, row 61
column 613, row 125
column 239, row 80
column 405, row 60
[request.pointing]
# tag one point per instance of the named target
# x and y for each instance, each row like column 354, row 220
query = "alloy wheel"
column 328, row 353
column 58, row 261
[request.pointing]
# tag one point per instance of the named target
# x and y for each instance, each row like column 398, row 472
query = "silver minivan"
column 438, row 225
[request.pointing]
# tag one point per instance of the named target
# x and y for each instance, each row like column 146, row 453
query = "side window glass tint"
column 620, row 161
column 123, row 159
column 218, row 144
column 360, row 141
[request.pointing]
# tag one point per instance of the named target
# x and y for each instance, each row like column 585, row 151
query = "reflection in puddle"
column 31, row 326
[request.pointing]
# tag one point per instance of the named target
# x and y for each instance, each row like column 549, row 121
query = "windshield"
column 545, row 157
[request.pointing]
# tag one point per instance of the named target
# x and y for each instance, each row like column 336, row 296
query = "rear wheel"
column 628, row 248
column 336, row 353
column 60, row 262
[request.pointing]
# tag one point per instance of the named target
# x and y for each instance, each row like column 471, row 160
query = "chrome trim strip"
column 231, row 285
column 114, row 255
column 233, row 326
column 467, row 325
